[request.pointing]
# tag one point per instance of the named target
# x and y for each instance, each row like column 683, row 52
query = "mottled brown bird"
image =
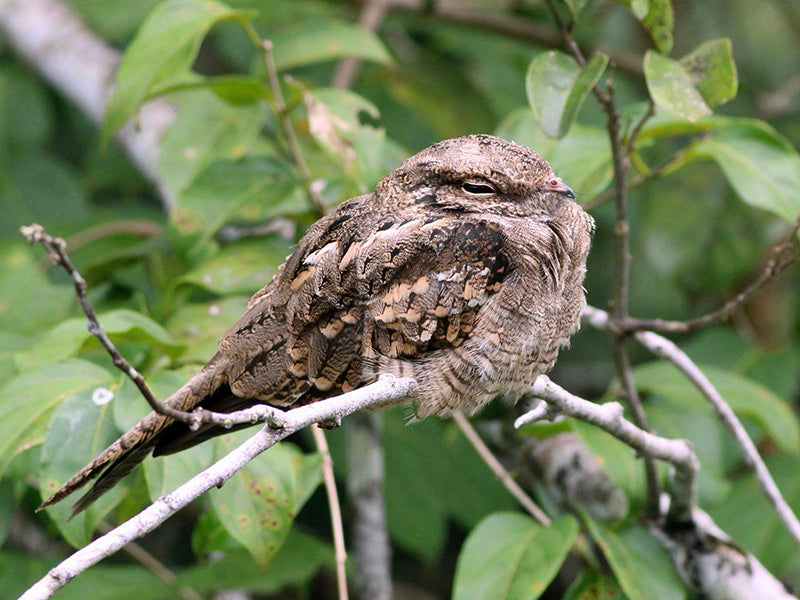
column 463, row 270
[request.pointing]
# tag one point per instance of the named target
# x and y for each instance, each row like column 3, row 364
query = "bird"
column 463, row 269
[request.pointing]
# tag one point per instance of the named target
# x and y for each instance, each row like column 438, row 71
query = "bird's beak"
column 559, row 187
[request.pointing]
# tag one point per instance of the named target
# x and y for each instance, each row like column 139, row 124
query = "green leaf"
column 66, row 339
column 713, row 71
column 29, row 300
column 591, row 585
column 657, row 17
column 240, row 268
column 239, row 90
column 201, row 325
column 509, row 556
column 254, row 187
column 30, row 399
column 80, row 428
column 258, row 505
column 295, row 564
column 228, row 133
column 557, row 87
column 672, row 87
column 641, row 565
column 760, row 164
column 747, row 398
column 164, row 48
column 322, row 41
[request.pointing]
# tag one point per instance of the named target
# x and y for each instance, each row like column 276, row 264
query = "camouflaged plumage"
column 463, row 269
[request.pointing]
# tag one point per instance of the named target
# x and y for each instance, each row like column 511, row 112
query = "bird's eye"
column 477, row 188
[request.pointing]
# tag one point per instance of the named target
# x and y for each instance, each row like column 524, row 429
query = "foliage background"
column 168, row 282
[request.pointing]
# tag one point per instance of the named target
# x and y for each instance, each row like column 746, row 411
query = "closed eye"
column 477, row 188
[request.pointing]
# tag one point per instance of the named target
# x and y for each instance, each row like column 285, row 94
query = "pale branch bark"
column 664, row 348
column 370, row 545
column 713, row 566
column 50, row 36
column 329, row 480
column 499, row 470
column 608, row 417
column 386, row 391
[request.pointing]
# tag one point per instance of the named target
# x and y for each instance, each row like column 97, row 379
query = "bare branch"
column 664, row 348
column 608, row 417
column 335, row 510
column 386, row 391
column 317, row 200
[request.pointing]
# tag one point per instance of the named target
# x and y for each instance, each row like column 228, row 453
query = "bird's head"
column 479, row 173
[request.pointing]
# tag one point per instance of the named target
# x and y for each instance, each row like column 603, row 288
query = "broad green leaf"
column 322, row 41
column 657, row 17
column 575, row 7
column 760, row 164
column 201, row 325
column 641, row 565
column 30, row 399
column 557, row 87
column 509, row 556
column 240, row 268
column 80, row 428
column 164, row 48
column 37, row 187
column 254, row 187
column 713, row 71
column 582, row 158
column 455, row 483
column 239, row 90
column 295, row 563
column 747, row 398
column 66, row 339
column 228, row 133
column 672, row 87
column 591, row 585
column 29, row 301
column 258, row 505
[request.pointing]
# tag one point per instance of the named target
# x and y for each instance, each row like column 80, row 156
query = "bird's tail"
column 121, row 457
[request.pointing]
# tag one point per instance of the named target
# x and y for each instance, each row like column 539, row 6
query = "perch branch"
column 387, row 390
column 664, row 348
column 608, row 417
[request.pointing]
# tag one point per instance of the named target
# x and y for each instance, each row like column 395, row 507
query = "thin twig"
column 335, row 510
column 386, row 391
column 622, row 261
column 317, row 201
column 782, row 255
column 56, row 250
column 499, row 470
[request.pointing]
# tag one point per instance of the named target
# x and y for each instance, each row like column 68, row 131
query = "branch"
column 608, row 417
column 387, row 390
column 365, row 486
column 317, row 200
column 335, row 510
column 781, row 256
column 664, row 348
column 81, row 66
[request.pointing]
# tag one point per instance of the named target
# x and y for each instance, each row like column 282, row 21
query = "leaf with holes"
column 258, row 505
